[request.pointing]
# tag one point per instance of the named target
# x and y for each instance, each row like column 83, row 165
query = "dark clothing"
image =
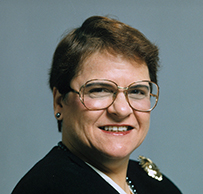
column 61, row 172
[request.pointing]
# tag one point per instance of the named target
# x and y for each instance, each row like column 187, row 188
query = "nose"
column 120, row 107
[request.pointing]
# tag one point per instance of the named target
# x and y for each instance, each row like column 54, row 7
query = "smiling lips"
column 116, row 128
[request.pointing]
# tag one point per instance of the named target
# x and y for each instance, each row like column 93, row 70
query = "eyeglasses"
column 99, row 94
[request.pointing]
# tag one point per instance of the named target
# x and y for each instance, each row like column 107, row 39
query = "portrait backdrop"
column 29, row 33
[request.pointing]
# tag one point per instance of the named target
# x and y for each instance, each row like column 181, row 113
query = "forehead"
column 116, row 68
column 103, row 60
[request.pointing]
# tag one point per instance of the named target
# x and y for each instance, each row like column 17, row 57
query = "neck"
column 116, row 171
column 115, row 168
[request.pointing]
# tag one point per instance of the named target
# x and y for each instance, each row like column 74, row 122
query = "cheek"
column 143, row 119
column 77, row 116
column 72, row 111
column 73, row 104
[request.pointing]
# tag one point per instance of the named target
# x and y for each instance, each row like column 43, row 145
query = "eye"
column 138, row 91
column 99, row 90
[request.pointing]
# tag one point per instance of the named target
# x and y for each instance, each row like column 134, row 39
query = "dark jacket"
column 61, row 172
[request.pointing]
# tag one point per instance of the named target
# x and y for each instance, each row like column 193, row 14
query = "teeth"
column 115, row 129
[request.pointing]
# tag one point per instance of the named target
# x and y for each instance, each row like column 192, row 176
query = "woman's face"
column 82, row 129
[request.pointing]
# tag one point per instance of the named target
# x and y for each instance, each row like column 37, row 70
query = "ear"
column 58, row 103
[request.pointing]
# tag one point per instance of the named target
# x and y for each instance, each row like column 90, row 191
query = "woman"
column 104, row 84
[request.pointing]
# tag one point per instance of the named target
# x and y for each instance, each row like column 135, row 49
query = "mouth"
column 116, row 128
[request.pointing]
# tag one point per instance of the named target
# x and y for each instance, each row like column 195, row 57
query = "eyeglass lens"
column 99, row 94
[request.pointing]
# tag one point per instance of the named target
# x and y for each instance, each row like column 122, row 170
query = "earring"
column 58, row 114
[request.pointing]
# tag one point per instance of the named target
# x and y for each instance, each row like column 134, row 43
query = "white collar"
column 108, row 180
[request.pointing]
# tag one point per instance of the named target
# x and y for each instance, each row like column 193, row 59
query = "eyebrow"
column 140, row 86
column 98, row 83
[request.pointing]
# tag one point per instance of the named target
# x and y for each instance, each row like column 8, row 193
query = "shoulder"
column 147, row 178
column 61, row 171
column 48, row 173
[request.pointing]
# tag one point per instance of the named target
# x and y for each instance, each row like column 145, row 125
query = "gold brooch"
column 150, row 168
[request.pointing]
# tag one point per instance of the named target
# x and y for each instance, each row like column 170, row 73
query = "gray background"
column 29, row 33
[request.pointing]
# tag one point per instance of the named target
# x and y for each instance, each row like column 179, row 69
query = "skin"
column 81, row 132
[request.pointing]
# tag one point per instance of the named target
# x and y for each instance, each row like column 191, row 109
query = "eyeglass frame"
column 125, row 89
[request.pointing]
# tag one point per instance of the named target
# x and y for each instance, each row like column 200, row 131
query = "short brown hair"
column 99, row 33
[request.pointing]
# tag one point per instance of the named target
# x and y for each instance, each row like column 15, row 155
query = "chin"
column 118, row 153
